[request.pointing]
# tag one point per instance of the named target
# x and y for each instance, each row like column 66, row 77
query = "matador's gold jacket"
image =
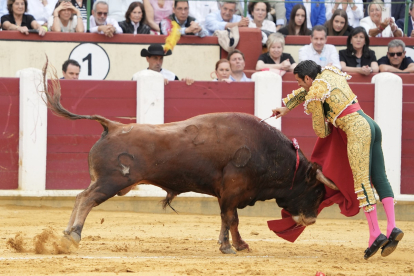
column 328, row 96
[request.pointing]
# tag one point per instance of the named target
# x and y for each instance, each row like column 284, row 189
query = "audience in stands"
column 395, row 61
column 354, row 9
column 338, row 24
column 71, row 70
column 225, row 18
column 223, row 70
column 134, row 20
column 64, row 19
column 357, row 57
column 376, row 26
column 155, row 57
column 275, row 58
column 41, row 10
column 298, row 22
column 410, row 29
column 391, row 8
column 157, row 10
column 278, row 12
column 318, row 51
column 101, row 23
column 18, row 20
column 258, row 11
column 188, row 24
column 118, row 8
column 81, row 5
column 315, row 11
column 237, row 64
column 200, row 10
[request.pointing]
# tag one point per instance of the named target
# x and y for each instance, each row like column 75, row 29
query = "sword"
column 269, row 117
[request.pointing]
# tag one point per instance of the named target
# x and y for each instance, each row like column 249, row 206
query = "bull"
column 231, row 156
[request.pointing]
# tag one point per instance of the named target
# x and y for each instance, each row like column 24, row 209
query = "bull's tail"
column 53, row 100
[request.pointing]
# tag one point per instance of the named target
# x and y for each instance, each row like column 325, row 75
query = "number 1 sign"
column 93, row 59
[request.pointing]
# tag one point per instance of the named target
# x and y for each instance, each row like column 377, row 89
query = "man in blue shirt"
column 237, row 64
column 225, row 18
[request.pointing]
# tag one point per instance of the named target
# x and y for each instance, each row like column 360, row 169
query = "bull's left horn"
column 325, row 180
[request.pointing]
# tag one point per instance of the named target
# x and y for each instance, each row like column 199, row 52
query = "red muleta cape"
column 331, row 154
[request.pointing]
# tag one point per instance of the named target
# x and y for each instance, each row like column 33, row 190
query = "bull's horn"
column 325, row 180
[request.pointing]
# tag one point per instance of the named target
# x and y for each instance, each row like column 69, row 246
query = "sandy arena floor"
column 124, row 243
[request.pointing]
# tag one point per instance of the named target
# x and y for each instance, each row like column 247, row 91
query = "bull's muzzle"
column 305, row 221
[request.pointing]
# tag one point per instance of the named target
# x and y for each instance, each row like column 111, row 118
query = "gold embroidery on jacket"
column 319, row 124
column 295, row 98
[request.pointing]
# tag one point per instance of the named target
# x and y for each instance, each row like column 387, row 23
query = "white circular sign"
column 93, row 59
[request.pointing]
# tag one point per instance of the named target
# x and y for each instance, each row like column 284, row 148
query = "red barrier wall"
column 68, row 142
column 9, row 133
column 407, row 149
column 183, row 101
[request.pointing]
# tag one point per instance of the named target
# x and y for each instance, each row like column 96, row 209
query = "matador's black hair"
column 307, row 68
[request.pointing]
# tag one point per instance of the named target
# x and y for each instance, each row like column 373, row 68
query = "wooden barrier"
column 407, row 148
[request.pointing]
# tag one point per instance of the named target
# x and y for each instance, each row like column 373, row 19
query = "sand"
column 124, row 243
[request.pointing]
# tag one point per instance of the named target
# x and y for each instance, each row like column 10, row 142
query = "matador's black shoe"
column 379, row 242
column 395, row 236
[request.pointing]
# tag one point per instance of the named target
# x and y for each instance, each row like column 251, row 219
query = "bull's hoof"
column 71, row 238
column 75, row 237
column 241, row 247
column 227, row 250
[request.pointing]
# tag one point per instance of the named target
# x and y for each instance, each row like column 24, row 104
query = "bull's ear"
column 325, row 180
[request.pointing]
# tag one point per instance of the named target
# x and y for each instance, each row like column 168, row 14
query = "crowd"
column 356, row 19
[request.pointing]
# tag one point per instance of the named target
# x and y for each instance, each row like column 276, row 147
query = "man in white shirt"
column 225, row 18
column 155, row 57
column 200, row 10
column 118, row 8
column 41, row 10
column 318, row 51
column 101, row 23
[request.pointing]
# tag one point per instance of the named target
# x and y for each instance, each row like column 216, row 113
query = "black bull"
column 231, row 156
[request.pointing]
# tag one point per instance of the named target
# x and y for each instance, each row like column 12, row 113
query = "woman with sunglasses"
column 297, row 23
column 376, row 26
column 66, row 19
column 18, row 20
column 357, row 57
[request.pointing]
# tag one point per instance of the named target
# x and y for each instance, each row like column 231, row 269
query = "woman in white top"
column 376, row 26
column 354, row 9
column 258, row 11
column 64, row 19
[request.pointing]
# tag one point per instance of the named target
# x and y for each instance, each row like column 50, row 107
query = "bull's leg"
column 230, row 221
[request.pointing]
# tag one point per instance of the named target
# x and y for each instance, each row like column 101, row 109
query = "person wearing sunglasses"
column 101, row 23
column 395, row 61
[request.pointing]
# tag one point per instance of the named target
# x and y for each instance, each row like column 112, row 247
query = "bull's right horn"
column 325, row 180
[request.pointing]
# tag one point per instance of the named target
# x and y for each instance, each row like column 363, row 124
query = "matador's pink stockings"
column 388, row 204
column 374, row 230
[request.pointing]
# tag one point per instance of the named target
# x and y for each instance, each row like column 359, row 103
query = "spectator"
column 81, row 5
column 236, row 59
column 258, row 11
column 278, row 12
column 200, row 10
column 395, row 8
column 118, row 8
column 318, row 51
column 156, row 11
column 18, row 20
column 70, row 70
column 275, row 58
column 134, row 20
column 298, row 22
column 3, row 8
column 64, row 20
column 357, row 57
column 400, row 22
column 101, row 23
column 374, row 25
column 188, row 24
column 41, row 10
column 155, row 57
column 395, row 61
column 353, row 8
column 223, row 70
column 315, row 11
column 225, row 18
column 338, row 25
